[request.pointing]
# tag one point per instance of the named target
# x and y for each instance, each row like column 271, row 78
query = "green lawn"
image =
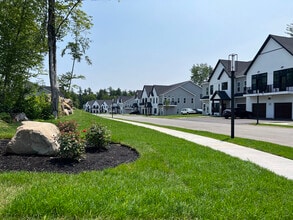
column 172, row 179
column 7, row 130
column 276, row 149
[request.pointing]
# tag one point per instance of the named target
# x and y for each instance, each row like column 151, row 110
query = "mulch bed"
column 114, row 155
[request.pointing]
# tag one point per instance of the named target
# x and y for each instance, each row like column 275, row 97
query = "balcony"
column 269, row 89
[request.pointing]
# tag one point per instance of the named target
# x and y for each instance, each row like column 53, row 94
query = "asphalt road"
column 245, row 128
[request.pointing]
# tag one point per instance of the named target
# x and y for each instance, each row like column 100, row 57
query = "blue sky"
column 142, row 42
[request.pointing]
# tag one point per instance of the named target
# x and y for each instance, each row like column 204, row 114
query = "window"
column 259, row 82
column 283, row 79
column 178, row 100
column 238, row 86
column 207, row 91
column 224, row 85
column 211, row 89
column 191, row 100
column 184, row 100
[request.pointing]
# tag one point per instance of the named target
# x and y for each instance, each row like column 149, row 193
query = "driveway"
column 245, row 128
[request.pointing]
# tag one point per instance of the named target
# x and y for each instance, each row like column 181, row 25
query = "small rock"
column 21, row 117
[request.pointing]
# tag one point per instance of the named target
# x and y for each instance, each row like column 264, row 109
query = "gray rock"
column 21, row 117
column 35, row 138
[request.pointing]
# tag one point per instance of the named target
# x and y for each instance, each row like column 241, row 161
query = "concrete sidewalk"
column 279, row 165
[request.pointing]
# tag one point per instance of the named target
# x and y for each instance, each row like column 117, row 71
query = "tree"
column 22, row 48
column 77, row 49
column 60, row 15
column 290, row 29
column 200, row 73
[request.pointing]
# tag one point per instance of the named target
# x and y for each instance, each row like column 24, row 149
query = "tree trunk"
column 52, row 58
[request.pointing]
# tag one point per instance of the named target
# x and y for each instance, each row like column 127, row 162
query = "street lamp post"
column 232, row 58
column 257, row 107
column 112, row 106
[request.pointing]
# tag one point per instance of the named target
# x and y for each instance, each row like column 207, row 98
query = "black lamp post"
column 257, row 107
column 232, row 58
column 112, row 106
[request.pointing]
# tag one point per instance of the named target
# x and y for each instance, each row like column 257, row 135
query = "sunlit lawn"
column 172, row 179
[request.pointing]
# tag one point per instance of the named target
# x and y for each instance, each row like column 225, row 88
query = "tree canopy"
column 200, row 73
column 22, row 50
column 290, row 29
column 29, row 30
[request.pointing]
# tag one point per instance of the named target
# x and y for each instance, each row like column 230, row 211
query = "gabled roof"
column 108, row 102
column 148, row 89
column 138, row 94
column 100, row 102
column 240, row 70
column 124, row 98
column 220, row 95
column 164, row 89
column 285, row 42
column 160, row 89
column 91, row 102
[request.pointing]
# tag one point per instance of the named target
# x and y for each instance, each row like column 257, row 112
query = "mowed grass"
column 276, row 149
column 172, row 179
column 7, row 130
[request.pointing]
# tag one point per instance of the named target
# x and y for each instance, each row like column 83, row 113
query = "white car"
column 186, row 111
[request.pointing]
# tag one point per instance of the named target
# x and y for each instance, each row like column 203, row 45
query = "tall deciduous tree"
column 57, row 28
column 200, row 73
column 22, row 48
column 76, row 48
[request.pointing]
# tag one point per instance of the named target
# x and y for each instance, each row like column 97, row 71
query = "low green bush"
column 67, row 126
column 71, row 146
column 98, row 136
column 5, row 117
column 38, row 107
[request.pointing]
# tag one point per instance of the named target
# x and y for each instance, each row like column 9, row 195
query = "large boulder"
column 35, row 138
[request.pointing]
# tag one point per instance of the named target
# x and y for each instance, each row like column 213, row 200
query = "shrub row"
column 72, row 146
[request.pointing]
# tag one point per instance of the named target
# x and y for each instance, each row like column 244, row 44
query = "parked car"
column 135, row 112
column 198, row 111
column 186, row 111
column 239, row 113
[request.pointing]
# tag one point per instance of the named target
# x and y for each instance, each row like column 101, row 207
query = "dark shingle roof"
column 241, row 67
column 161, row 89
column 138, row 94
column 222, row 95
column 285, row 42
column 148, row 89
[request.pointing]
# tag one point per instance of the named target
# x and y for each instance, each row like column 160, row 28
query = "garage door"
column 283, row 110
column 260, row 108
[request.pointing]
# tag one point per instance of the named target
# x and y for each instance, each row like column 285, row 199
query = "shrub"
column 38, row 107
column 71, row 146
column 98, row 136
column 67, row 126
column 5, row 117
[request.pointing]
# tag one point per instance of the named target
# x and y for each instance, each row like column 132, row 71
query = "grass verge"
column 276, row 149
column 172, row 179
